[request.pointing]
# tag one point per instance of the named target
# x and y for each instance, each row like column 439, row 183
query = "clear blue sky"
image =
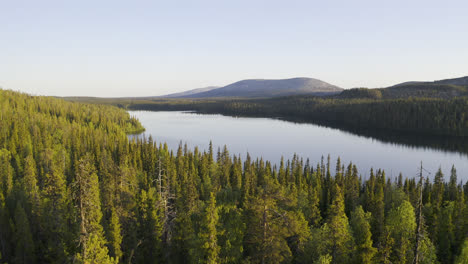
column 137, row 48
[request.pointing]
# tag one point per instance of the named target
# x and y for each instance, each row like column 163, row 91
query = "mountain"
column 407, row 83
column 427, row 90
column 190, row 92
column 447, row 88
column 462, row 81
column 257, row 88
column 444, row 89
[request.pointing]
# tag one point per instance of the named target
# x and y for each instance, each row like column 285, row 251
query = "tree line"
column 368, row 111
column 74, row 188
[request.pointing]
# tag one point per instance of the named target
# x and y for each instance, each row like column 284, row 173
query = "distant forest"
column 417, row 109
column 428, row 116
column 75, row 189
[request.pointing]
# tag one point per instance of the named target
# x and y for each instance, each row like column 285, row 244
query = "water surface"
column 272, row 139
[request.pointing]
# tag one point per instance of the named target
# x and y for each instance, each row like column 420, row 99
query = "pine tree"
column 24, row 251
column 377, row 209
column 360, row 226
column 269, row 226
column 463, row 257
column 6, row 173
column 236, row 177
column 445, row 239
column 340, row 236
column 114, row 236
column 149, row 249
column 94, row 252
column 231, row 230
column 86, row 194
column 452, row 186
column 266, row 232
column 54, row 211
column 460, row 220
column 324, row 259
column 401, row 227
column 351, row 189
column 29, row 183
column 313, row 211
column 437, row 197
column 5, row 229
column 207, row 236
column 428, row 253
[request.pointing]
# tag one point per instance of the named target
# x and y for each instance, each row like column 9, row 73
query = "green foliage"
column 401, row 227
column 231, row 229
column 360, row 225
column 94, row 252
column 326, row 259
column 445, row 233
column 463, row 257
column 149, row 227
column 434, row 110
column 74, row 188
column 24, row 251
column 339, row 230
column 114, row 236
column 87, row 201
column 207, row 236
column 427, row 251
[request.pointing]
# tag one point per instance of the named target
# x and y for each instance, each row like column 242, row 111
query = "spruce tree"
column 24, row 250
column 360, row 225
column 209, row 249
column 86, row 194
column 463, row 257
column 54, row 229
column 149, row 228
column 339, row 230
column 445, row 239
column 231, row 229
column 114, row 236
column 452, row 186
column 401, row 227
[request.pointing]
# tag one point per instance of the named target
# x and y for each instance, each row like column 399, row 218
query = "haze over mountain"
column 262, row 88
column 461, row 81
column 256, row 88
column 190, row 92
column 445, row 89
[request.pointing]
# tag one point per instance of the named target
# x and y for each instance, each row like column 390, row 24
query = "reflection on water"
column 273, row 138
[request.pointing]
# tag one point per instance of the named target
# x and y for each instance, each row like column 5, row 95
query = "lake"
column 272, row 139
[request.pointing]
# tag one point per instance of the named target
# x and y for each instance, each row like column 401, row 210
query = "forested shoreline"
column 422, row 116
column 416, row 109
column 74, row 189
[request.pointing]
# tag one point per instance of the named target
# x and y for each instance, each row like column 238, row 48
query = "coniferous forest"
column 75, row 189
column 416, row 115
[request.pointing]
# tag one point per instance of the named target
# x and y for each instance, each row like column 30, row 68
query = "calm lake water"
column 272, row 139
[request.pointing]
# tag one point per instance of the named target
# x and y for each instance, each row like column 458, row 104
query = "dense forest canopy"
column 73, row 188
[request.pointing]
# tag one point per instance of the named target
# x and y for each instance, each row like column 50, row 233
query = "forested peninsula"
column 75, row 189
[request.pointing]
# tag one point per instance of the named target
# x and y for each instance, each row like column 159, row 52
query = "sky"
column 146, row 48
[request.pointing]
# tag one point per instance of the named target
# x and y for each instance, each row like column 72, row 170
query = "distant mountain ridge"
column 190, row 92
column 444, row 89
column 461, row 81
column 257, row 88
column 267, row 88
